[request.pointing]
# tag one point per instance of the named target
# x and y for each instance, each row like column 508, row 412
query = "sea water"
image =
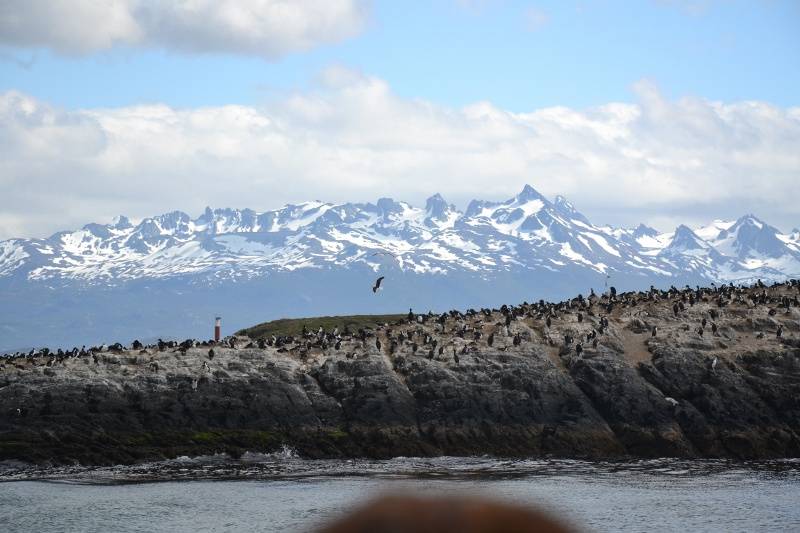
column 282, row 492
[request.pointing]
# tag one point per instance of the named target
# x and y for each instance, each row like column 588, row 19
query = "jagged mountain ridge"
column 527, row 232
column 169, row 275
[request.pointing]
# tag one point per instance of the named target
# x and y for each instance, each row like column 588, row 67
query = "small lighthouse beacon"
column 217, row 328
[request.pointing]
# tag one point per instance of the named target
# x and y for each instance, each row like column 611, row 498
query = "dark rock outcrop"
column 735, row 393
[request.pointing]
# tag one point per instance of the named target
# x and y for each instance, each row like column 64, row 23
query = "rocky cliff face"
column 498, row 382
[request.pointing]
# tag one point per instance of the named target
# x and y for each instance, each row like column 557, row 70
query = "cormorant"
column 377, row 284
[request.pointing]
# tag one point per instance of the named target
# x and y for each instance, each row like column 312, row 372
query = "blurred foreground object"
column 443, row 515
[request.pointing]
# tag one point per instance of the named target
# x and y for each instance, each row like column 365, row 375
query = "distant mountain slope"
column 168, row 274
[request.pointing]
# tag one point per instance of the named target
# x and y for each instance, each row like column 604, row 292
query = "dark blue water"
column 281, row 492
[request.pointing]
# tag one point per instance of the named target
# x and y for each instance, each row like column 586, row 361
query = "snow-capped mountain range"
column 312, row 252
column 525, row 232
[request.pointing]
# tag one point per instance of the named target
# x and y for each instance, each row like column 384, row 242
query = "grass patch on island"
column 294, row 326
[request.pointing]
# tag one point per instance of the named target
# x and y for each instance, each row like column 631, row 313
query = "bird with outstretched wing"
column 377, row 286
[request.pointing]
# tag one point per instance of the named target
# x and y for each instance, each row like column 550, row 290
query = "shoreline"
column 287, row 466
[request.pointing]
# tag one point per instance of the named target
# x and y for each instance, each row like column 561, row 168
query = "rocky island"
column 689, row 372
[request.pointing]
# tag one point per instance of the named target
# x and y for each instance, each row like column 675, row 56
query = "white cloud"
column 267, row 28
column 353, row 139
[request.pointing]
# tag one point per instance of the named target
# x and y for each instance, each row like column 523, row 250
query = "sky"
column 655, row 111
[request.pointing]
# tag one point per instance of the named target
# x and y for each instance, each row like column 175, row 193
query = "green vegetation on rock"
column 294, row 326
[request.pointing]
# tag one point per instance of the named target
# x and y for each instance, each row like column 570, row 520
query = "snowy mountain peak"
column 388, row 206
column 528, row 193
column 684, row 240
column 750, row 219
column 476, row 207
column 207, row 216
column 749, row 237
column 565, row 208
column 438, row 212
column 121, row 222
column 435, row 206
column 524, row 214
column 562, row 204
column 711, row 231
column 643, row 230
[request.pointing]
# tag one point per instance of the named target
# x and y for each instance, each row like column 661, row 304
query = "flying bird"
column 377, row 284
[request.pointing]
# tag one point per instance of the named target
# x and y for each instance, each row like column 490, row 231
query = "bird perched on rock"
column 377, row 286
column 779, row 333
column 654, row 332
